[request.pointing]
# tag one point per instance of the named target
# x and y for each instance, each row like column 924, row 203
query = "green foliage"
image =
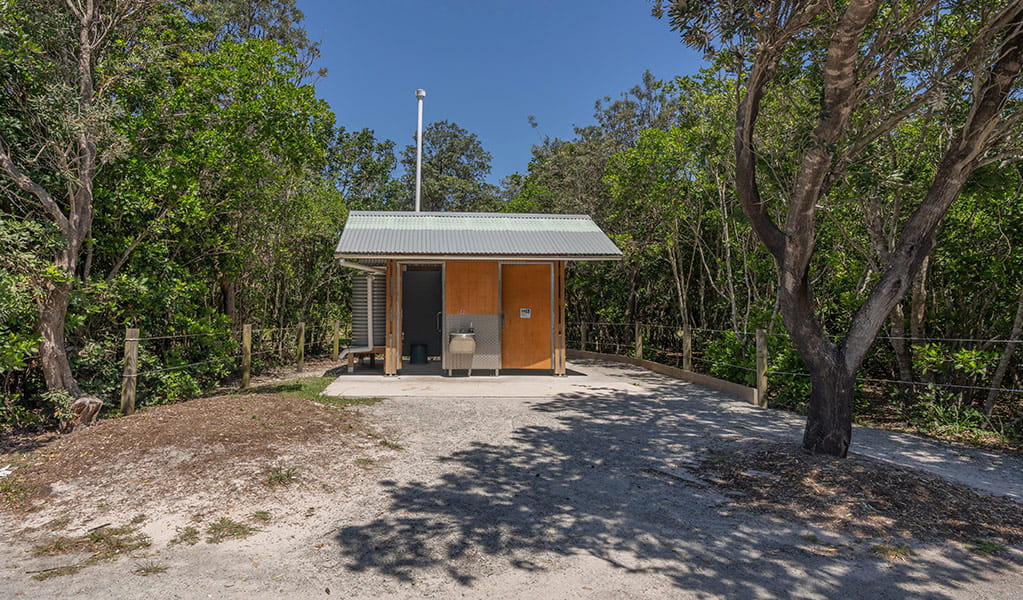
column 224, row 184
column 940, row 414
column 60, row 400
column 455, row 167
column 14, row 350
column 22, row 271
column 730, row 356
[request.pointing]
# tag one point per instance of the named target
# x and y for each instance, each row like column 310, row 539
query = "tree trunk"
column 228, row 293
column 829, row 414
column 898, row 341
column 1003, row 362
column 676, row 269
column 918, row 310
column 53, row 305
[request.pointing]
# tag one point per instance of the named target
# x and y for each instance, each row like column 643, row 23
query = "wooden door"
column 526, row 313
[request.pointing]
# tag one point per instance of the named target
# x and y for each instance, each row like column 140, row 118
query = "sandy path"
column 558, row 497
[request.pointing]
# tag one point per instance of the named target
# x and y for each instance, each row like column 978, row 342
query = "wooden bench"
column 362, row 352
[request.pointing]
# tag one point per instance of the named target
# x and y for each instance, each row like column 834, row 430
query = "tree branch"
column 134, row 244
column 28, row 185
column 961, row 158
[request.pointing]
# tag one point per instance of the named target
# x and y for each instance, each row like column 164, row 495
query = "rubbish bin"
column 417, row 354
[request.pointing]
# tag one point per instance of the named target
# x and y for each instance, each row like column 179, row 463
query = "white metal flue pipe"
column 420, row 94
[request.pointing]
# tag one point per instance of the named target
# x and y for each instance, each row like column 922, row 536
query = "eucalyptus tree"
column 877, row 64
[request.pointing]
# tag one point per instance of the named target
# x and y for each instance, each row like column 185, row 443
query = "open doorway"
column 422, row 297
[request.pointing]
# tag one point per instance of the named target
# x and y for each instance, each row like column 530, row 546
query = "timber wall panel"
column 471, row 287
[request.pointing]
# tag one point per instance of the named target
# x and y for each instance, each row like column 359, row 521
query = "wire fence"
column 180, row 364
column 966, row 367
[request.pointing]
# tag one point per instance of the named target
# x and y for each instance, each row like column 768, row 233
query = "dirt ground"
column 675, row 492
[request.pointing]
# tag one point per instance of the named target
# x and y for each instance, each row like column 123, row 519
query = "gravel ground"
column 580, row 495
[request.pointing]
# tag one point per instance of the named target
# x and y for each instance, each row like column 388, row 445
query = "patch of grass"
column 811, row 538
column 364, row 462
column 342, row 401
column 391, row 445
column 987, row 547
column 58, row 572
column 188, row 535
column 715, row 459
column 13, row 491
column 260, row 515
column 149, row 568
column 104, row 543
column 303, row 388
column 226, row 529
column 280, row 475
column 60, row 523
column 61, row 545
column 308, row 388
column 137, row 519
column 892, row 553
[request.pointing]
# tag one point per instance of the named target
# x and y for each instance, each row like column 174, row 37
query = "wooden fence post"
column 300, row 354
column 131, row 366
column 687, row 348
column 639, row 341
column 582, row 335
column 246, row 354
column 335, row 347
column 761, row 368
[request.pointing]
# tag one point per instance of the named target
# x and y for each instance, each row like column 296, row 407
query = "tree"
column 126, row 124
column 455, row 167
column 876, row 65
column 58, row 89
column 277, row 20
column 360, row 167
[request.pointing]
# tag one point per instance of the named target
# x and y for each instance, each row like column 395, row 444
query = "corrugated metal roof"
column 378, row 234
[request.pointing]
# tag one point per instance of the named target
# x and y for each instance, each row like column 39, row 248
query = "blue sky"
column 486, row 64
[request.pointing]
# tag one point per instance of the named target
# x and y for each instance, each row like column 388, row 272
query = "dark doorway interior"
column 421, row 307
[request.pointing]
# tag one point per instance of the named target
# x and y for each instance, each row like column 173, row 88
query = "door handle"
column 439, row 313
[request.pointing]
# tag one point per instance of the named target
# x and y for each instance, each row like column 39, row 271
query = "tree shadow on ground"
column 608, row 480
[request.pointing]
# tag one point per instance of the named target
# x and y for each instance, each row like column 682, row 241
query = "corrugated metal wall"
column 360, row 310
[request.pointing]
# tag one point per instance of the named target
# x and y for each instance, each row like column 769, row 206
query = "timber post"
column 246, row 354
column 582, row 335
column 761, row 368
column 131, row 366
column 335, row 346
column 300, row 353
column 687, row 348
column 639, row 340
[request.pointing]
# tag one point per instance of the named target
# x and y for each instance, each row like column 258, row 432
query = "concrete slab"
column 584, row 377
